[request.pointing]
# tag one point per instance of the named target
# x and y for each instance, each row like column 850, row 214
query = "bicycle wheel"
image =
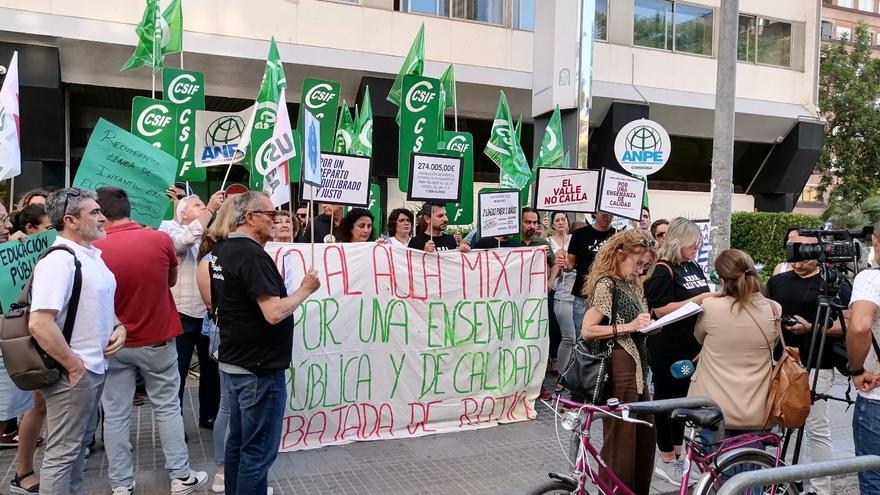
column 739, row 461
column 554, row 487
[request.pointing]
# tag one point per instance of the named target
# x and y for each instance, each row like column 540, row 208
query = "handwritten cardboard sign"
column 116, row 157
column 345, row 180
column 398, row 343
column 499, row 212
column 567, row 189
column 621, row 195
column 435, row 178
column 17, row 261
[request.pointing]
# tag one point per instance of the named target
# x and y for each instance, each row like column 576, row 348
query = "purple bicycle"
column 717, row 461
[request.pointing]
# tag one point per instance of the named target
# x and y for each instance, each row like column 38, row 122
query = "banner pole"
column 11, row 192
column 153, row 87
column 226, row 177
column 312, row 220
column 455, row 102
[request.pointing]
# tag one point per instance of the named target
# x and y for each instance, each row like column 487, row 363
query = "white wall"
column 693, row 205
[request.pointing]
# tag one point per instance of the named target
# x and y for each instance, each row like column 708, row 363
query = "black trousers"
column 555, row 333
column 209, row 380
column 670, row 433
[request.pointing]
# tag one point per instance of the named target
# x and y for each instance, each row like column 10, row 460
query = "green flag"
column 158, row 35
column 363, row 128
column 173, row 16
column 447, row 97
column 551, row 154
column 518, row 129
column 262, row 122
column 344, row 130
column 504, row 150
column 413, row 64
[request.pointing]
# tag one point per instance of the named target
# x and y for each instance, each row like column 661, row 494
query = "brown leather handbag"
column 29, row 367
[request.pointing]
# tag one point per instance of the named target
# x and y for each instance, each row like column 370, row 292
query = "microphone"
column 682, row 369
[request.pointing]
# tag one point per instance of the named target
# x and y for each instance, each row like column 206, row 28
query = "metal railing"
column 799, row 472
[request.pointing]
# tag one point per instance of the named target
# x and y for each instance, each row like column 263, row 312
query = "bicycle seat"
column 709, row 418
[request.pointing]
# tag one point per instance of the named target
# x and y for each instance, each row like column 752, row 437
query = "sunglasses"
column 180, row 196
column 269, row 213
column 73, row 194
column 660, row 235
column 302, row 215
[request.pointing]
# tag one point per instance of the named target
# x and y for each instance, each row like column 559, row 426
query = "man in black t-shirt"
column 432, row 222
column 254, row 314
column 582, row 249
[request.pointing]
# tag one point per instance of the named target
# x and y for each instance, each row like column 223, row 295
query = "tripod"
column 827, row 312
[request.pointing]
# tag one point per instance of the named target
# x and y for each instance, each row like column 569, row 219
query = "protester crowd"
column 215, row 292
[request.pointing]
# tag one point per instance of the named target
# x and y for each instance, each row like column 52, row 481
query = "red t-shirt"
column 140, row 259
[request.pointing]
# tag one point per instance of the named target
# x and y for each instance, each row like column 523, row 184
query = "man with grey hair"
column 254, row 314
column 72, row 402
column 191, row 219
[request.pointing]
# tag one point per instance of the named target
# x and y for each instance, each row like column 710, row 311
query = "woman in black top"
column 357, row 226
column 677, row 280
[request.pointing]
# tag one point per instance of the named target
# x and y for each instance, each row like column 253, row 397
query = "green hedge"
column 761, row 234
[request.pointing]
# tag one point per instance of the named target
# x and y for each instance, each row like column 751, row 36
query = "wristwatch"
column 858, row 372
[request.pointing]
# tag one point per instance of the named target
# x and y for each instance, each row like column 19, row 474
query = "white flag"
column 271, row 159
column 10, row 129
column 311, row 164
column 219, row 137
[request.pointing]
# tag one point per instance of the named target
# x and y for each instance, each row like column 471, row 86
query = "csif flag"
column 262, row 120
column 158, row 35
column 344, row 130
column 10, row 128
column 363, row 128
column 414, row 64
column 276, row 152
column 504, row 150
column 551, row 154
column 447, row 97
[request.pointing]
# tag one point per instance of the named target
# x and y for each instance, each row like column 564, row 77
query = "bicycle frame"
column 694, row 451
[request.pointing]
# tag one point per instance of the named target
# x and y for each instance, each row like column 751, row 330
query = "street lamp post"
column 585, row 79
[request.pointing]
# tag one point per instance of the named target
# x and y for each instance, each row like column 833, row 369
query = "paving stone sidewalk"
column 508, row 459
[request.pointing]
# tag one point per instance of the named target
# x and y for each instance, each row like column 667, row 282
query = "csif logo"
column 319, row 96
column 182, row 89
column 459, row 144
column 419, row 95
column 153, row 120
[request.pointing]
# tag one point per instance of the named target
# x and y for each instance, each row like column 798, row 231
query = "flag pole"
column 11, row 192
column 455, row 101
column 312, row 219
column 226, row 177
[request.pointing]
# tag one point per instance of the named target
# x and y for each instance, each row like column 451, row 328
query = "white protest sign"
column 499, row 213
column 642, row 147
column 345, row 180
column 435, row 178
column 400, row 343
column 567, row 189
column 705, row 246
column 621, row 195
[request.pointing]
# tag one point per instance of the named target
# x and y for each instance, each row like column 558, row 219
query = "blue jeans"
column 256, row 407
column 221, row 423
column 578, row 310
column 866, row 437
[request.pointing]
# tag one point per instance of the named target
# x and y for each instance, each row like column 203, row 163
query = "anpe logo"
column 319, row 95
column 419, row 95
column 642, row 147
column 458, row 143
column 183, row 88
column 153, row 120
column 222, row 137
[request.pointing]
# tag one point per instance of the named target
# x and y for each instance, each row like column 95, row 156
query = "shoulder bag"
column 588, row 374
column 28, row 365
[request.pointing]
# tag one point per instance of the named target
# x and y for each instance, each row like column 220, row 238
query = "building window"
column 432, row 7
column 670, row 26
column 764, row 41
column 524, row 15
column 845, row 3
column 866, row 5
column 601, row 29
column 488, row 11
column 844, row 33
column 827, row 31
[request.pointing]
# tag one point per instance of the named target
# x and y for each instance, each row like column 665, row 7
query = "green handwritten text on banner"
column 17, row 260
column 400, row 343
column 115, row 157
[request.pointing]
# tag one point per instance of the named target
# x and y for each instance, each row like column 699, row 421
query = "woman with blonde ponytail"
column 738, row 333
column 616, row 314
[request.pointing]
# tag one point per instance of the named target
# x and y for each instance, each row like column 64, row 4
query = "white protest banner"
column 435, row 178
column 400, row 343
column 499, row 212
column 567, row 189
column 218, row 135
column 705, row 246
column 345, row 180
column 621, row 195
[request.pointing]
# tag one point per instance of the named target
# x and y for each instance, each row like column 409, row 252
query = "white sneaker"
column 269, row 490
column 124, row 490
column 667, row 471
column 193, row 482
column 680, row 465
column 219, row 485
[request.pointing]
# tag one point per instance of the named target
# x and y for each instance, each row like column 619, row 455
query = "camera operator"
column 861, row 345
column 798, row 291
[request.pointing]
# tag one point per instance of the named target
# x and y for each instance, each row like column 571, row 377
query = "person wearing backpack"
column 72, row 401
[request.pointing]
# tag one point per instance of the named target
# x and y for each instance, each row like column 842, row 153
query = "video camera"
column 834, row 246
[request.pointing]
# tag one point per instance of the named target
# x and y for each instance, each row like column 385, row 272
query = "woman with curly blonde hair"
column 617, row 313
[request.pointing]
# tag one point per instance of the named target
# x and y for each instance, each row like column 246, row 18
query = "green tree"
column 849, row 97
